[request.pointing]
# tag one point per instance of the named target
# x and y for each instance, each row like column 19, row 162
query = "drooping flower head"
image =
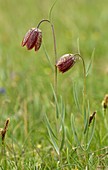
column 66, row 62
column 32, row 39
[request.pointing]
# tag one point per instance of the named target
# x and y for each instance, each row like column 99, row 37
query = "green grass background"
column 27, row 77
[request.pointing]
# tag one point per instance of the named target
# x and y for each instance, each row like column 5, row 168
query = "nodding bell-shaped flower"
column 66, row 62
column 32, row 39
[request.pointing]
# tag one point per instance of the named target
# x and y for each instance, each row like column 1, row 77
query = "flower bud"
column 32, row 39
column 105, row 102
column 66, row 62
column 91, row 118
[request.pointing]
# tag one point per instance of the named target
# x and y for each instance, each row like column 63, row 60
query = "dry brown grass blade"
column 4, row 130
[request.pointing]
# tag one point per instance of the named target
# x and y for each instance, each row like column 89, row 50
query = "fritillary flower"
column 32, row 39
column 66, row 62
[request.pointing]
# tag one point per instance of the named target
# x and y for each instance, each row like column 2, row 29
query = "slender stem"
column 55, row 53
column 84, row 69
column 78, row 45
column 43, row 20
column 50, row 12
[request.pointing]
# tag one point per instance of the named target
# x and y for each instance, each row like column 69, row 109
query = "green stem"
column 84, row 70
column 51, row 9
column 55, row 53
column 43, row 20
column 55, row 60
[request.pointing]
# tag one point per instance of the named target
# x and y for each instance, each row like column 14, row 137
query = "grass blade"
column 56, row 102
column 49, row 127
column 74, row 132
column 53, row 142
column 90, row 63
column 92, row 133
column 78, row 45
column 62, row 126
column 50, row 12
column 48, row 58
column 52, row 135
column 86, row 118
column 76, row 98
column 63, row 137
column 62, row 113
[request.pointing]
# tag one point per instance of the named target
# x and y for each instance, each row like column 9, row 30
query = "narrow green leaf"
column 62, row 126
column 92, row 133
column 53, row 142
column 74, row 132
column 47, row 56
column 56, row 102
column 86, row 118
column 90, row 63
column 62, row 113
column 78, row 45
column 49, row 127
column 63, row 137
column 67, row 155
column 75, row 94
column 62, row 109
column 52, row 135
column 50, row 12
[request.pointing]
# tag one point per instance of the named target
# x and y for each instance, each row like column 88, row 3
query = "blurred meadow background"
column 26, row 78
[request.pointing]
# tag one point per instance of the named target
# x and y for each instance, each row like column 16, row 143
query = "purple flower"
column 66, row 62
column 32, row 39
column 2, row 90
